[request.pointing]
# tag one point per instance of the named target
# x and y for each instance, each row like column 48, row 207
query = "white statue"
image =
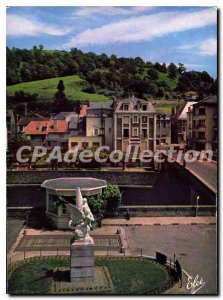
column 81, row 217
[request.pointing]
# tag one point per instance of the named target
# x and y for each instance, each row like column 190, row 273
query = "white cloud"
column 110, row 10
column 145, row 28
column 20, row 26
column 206, row 47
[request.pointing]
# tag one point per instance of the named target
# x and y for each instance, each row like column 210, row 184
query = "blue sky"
column 165, row 34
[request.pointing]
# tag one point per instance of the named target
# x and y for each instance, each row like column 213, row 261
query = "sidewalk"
column 156, row 221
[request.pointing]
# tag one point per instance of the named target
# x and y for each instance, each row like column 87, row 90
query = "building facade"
column 163, row 129
column 134, row 124
column 182, row 123
column 205, row 122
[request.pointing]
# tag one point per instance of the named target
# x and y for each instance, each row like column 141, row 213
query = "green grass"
column 47, row 88
column 128, row 276
column 170, row 82
column 165, row 106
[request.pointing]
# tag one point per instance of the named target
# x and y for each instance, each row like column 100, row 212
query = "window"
column 201, row 111
column 193, row 134
column 52, row 204
column 73, row 144
column 135, row 132
column 96, row 131
column 144, row 107
column 183, row 128
column 126, row 132
column 95, row 145
column 151, row 127
column 109, row 130
column 144, row 133
column 201, row 135
column 125, row 120
column 126, row 107
column 144, row 119
column 151, row 144
column 64, row 209
column 135, row 119
column 202, row 123
column 85, row 145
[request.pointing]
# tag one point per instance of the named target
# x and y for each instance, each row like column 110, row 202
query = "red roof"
column 83, row 111
column 45, row 127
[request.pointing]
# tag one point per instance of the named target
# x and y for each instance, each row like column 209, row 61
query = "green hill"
column 47, row 88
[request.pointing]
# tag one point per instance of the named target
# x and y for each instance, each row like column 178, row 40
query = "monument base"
column 82, row 261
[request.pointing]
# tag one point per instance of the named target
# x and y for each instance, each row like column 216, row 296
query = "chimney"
column 25, row 110
column 55, row 125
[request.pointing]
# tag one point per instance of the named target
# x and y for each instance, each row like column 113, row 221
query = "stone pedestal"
column 82, row 261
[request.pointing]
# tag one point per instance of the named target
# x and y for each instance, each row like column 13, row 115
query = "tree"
column 60, row 103
column 153, row 74
column 172, row 70
column 60, row 86
column 181, row 68
column 161, row 92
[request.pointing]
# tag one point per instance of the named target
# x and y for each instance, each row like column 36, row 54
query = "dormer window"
column 144, row 107
column 125, row 107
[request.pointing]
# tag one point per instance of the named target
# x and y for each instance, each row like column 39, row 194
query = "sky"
column 175, row 34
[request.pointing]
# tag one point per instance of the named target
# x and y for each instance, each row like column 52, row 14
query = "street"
column 195, row 247
column 206, row 170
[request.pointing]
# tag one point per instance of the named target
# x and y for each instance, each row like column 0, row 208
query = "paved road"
column 194, row 245
column 13, row 228
column 206, row 170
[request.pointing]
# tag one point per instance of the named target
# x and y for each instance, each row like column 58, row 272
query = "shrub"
column 112, row 196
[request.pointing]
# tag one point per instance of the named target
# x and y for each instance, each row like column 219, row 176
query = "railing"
column 103, row 251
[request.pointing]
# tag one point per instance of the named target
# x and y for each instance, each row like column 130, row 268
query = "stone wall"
column 112, row 177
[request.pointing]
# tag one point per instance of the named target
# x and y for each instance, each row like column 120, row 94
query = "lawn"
column 129, row 276
column 47, row 88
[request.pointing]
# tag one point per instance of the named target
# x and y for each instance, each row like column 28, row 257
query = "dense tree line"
column 103, row 74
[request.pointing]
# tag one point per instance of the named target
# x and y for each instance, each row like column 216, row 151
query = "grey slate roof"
column 63, row 115
column 212, row 100
column 133, row 105
column 98, row 105
column 26, row 121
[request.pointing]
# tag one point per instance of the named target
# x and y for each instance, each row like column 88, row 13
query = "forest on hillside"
column 108, row 75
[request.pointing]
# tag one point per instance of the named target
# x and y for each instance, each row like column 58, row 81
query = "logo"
column 195, row 284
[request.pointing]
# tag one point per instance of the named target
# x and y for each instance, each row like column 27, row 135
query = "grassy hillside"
column 48, row 87
column 165, row 106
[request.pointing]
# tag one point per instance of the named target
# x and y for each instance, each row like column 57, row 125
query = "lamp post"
column 197, row 199
column 159, row 118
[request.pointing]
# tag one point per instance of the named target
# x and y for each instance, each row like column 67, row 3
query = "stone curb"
column 160, row 224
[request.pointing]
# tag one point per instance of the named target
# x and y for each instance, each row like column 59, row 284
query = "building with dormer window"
column 134, row 124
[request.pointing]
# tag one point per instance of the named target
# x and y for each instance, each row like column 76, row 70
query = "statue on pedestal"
column 81, row 217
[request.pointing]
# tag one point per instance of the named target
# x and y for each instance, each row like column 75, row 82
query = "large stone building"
column 205, row 122
column 123, row 123
column 134, row 124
